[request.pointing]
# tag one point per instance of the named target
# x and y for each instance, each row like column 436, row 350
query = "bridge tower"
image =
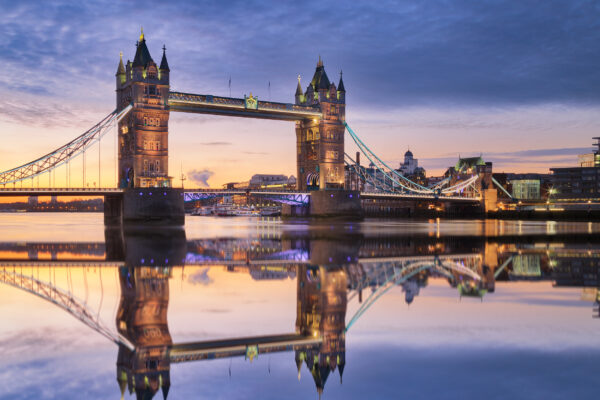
column 143, row 133
column 143, row 144
column 142, row 319
column 321, row 313
column 320, row 142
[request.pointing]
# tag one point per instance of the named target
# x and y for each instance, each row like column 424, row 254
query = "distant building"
column 591, row 159
column 578, row 183
column 528, row 186
column 526, row 189
column 33, row 200
column 410, row 168
column 586, row 160
column 265, row 181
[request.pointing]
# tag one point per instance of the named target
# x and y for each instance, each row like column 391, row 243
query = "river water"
column 247, row 308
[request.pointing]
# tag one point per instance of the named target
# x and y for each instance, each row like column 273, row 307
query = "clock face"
column 251, row 102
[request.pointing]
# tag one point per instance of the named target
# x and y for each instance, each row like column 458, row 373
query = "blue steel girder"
column 292, row 198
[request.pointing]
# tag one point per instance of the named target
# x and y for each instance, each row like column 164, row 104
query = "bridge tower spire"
column 320, row 142
column 143, row 134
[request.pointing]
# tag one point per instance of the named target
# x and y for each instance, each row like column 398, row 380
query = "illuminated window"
column 157, row 168
column 145, row 165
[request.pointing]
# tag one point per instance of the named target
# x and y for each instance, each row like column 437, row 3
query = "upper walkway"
column 240, row 346
column 249, row 108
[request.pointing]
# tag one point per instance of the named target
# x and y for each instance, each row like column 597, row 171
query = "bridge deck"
column 208, row 104
column 414, row 196
column 238, row 347
column 16, row 192
column 198, row 194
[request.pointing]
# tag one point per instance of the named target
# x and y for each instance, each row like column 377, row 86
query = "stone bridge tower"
column 143, row 133
column 321, row 312
column 142, row 319
column 320, row 143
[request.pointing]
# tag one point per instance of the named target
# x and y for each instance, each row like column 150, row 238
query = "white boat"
column 203, row 211
column 243, row 212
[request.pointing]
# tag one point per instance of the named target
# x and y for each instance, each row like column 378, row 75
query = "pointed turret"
column 164, row 65
column 299, row 88
column 121, row 67
column 341, row 87
column 165, row 391
column 121, row 74
column 142, row 55
column 299, row 95
column 123, row 386
column 320, row 79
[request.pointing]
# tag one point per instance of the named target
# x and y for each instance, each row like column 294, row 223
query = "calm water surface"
column 264, row 309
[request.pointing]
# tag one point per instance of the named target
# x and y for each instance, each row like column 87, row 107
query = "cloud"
column 548, row 157
column 31, row 111
column 216, row 143
column 201, row 278
column 200, row 177
column 437, row 52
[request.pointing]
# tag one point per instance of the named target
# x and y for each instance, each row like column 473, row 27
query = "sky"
column 514, row 81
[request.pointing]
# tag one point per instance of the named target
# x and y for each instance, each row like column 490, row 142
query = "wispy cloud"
column 216, row 143
column 547, row 157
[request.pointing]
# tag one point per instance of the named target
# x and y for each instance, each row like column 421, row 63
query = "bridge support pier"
column 156, row 206
column 328, row 203
column 113, row 209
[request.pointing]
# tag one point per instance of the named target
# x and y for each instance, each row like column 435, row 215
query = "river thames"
column 248, row 308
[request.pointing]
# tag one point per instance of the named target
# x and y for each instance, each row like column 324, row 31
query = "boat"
column 203, row 211
column 243, row 212
column 270, row 212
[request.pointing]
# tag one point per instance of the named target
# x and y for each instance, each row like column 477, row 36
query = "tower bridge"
column 144, row 189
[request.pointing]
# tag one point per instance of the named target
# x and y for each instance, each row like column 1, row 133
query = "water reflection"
column 331, row 269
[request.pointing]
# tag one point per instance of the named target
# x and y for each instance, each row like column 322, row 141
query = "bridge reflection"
column 331, row 271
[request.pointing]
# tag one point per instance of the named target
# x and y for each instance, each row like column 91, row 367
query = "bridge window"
column 151, row 145
column 157, row 168
column 332, row 154
column 151, row 121
column 145, row 165
column 309, row 135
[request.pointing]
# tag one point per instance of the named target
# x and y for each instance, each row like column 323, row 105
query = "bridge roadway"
column 191, row 261
column 240, row 346
column 236, row 107
column 284, row 196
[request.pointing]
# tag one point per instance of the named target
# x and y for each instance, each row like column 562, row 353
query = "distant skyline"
column 514, row 81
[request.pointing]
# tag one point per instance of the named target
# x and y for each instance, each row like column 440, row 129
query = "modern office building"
column 578, row 183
